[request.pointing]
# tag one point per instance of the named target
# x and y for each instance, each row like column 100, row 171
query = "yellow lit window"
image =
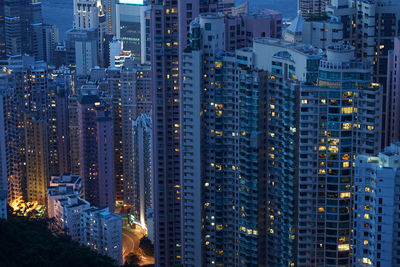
column 323, row 101
column 304, row 101
column 346, row 126
column 321, row 171
column 367, row 261
column 321, row 209
column 322, row 148
column 366, row 242
column 367, row 189
column 345, row 195
column 218, row 64
column 346, row 164
column 346, row 157
column 344, row 247
column 366, row 216
column 347, row 110
column 370, row 127
column 333, row 149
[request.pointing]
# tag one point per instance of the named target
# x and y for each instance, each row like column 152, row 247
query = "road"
column 130, row 244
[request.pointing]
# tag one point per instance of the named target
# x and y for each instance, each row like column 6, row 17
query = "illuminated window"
column 367, row 261
column 366, row 216
column 322, row 148
column 346, row 126
column 367, row 189
column 333, row 149
column 346, row 164
column 345, row 195
column 370, row 127
column 344, row 247
column 304, row 101
column 321, row 209
column 366, row 242
column 347, row 110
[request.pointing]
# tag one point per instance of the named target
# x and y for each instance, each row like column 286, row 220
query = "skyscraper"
column 370, row 26
column 37, row 164
column 96, row 151
column 308, row 8
column 392, row 123
column 131, row 28
column 142, row 184
column 376, row 209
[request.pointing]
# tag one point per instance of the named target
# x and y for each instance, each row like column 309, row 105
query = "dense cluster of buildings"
column 233, row 138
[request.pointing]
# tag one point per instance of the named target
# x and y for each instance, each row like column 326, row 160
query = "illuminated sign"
column 131, row 2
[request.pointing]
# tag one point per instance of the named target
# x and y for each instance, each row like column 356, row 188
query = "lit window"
column 346, row 126
column 345, row 195
column 344, row 247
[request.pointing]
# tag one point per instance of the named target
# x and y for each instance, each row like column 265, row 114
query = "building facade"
column 376, row 209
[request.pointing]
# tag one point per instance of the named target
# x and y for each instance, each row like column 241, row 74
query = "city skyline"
column 205, row 132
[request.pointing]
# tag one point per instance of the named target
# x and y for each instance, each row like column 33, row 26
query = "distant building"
column 102, row 232
column 132, row 23
column 308, row 8
column 96, row 151
column 376, row 221
column 141, row 185
column 82, row 49
column 71, row 180
column 392, row 123
column 37, row 160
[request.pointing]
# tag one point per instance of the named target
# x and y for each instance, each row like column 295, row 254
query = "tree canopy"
column 28, row 242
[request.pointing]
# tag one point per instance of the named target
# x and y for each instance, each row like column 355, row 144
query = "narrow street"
column 130, row 244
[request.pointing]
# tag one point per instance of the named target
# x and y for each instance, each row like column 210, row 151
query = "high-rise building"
column 109, row 9
column 376, row 210
column 62, row 84
column 336, row 116
column 141, row 184
column 37, row 160
column 96, row 151
column 23, row 30
column 7, row 148
column 278, row 119
column 392, row 124
column 3, row 54
column 132, row 27
column 170, row 32
column 370, row 26
column 86, row 14
column 169, row 27
column 102, row 232
column 82, row 49
column 308, row 8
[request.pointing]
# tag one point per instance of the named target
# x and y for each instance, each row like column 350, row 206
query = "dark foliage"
column 146, row 245
column 26, row 242
column 131, row 260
